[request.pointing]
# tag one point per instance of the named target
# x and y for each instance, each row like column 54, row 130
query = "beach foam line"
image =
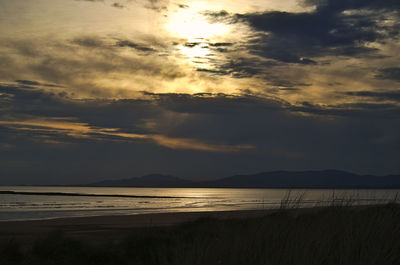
column 10, row 192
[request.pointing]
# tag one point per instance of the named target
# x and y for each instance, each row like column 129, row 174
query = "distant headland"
column 316, row 179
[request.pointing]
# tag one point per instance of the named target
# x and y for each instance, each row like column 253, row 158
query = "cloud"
column 74, row 129
column 41, row 118
column 136, row 46
column 28, row 82
column 392, row 73
column 221, row 44
column 191, row 144
column 89, row 42
column 178, row 132
column 157, row 5
column 332, row 29
column 91, row 66
column 366, row 110
column 183, row 6
column 375, row 95
column 331, row 48
column 340, row 5
column 118, row 5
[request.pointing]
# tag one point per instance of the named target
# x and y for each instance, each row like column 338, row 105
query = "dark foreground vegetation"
column 330, row 235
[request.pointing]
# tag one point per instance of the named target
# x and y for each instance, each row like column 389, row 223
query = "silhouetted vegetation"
column 330, row 235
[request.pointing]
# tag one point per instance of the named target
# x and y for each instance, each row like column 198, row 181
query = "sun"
column 198, row 32
column 191, row 24
column 196, row 50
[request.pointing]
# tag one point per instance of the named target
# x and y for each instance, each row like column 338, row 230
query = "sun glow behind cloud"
column 196, row 51
column 189, row 23
column 197, row 32
column 156, row 59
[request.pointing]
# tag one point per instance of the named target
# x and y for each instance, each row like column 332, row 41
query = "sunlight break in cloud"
column 75, row 129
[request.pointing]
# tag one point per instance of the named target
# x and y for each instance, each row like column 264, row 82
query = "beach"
column 332, row 235
column 112, row 227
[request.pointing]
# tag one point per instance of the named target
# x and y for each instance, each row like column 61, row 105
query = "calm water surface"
column 27, row 207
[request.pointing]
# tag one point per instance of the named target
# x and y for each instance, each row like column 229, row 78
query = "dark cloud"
column 157, row 5
column 392, row 73
column 220, row 16
column 340, row 5
column 221, row 44
column 223, row 50
column 118, row 5
column 243, row 67
column 347, row 136
column 192, row 44
column 187, row 103
column 55, row 103
column 27, row 82
column 327, row 31
column 89, row 41
column 290, row 88
column 218, row 46
column 140, row 47
column 294, row 36
column 212, row 71
column 42, row 103
column 379, row 96
column 183, row 6
column 266, row 69
column 90, row 0
column 223, row 47
column 351, row 110
column 306, row 61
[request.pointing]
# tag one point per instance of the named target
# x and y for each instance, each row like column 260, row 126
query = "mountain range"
column 330, row 179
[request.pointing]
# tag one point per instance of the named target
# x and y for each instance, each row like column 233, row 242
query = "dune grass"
column 330, row 235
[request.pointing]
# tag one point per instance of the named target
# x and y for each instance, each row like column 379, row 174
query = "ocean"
column 33, row 203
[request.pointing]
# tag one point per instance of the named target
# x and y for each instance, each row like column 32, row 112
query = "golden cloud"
column 75, row 129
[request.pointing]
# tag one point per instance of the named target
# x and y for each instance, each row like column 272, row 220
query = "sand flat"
column 108, row 227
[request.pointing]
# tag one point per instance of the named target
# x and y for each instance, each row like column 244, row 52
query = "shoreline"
column 69, row 194
column 391, row 187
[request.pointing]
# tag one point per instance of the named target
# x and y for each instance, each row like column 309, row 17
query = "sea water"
column 160, row 200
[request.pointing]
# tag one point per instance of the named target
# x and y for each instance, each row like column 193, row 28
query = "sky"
column 98, row 89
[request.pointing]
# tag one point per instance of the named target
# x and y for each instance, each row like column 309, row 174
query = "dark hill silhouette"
column 308, row 179
column 276, row 179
